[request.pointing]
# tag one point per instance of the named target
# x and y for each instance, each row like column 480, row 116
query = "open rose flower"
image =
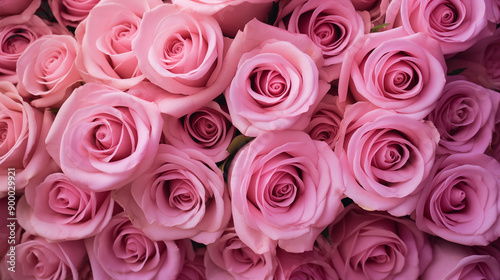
column 392, row 70
column 465, row 117
column 103, row 138
column 325, row 121
column 307, row 265
column 123, row 251
column 375, row 245
column 182, row 195
column 59, row 210
column 285, row 189
column 387, row 157
column 46, row 70
column 276, row 83
column 71, row 12
column 332, row 25
column 461, row 200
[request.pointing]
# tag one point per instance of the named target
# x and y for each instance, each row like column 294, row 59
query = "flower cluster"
column 250, row 139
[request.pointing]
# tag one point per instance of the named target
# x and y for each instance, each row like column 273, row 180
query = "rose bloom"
column 275, row 79
column 208, row 130
column 396, row 71
column 375, row 245
column 325, row 121
column 103, row 138
column 123, row 251
column 229, row 258
column 332, row 25
column 285, row 189
column 46, row 70
column 307, row 265
column 387, row 157
column 456, row 25
column 59, row 210
column 22, row 147
column 465, row 117
column 182, row 195
column 71, row 12
column 461, row 200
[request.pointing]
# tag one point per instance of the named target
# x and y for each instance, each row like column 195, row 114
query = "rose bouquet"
column 250, row 139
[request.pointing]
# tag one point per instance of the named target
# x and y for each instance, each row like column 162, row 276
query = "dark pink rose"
column 325, row 121
column 21, row 9
column 285, row 189
column 123, row 251
column 208, row 130
column 59, row 210
column 332, row 25
column 461, row 200
column 455, row 24
column 46, row 70
column 182, row 195
column 307, row 265
column 386, row 156
column 103, row 138
column 275, row 79
column 392, row 70
column 194, row 268
column 375, row 245
column 465, row 117
column 374, row 9
column 22, row 134
column 229, row 258
column 71, row 12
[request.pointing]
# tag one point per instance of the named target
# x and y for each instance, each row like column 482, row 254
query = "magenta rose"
column 275, row 79
column 387, row 157
column 123, row 251
column 46, row 70
column 182, row 195
column 285, row 189
column 208, row 130
column 465, row 117
column 461, row 200
column 103, row 138
column 332, row 25
column 392, row 70
column 229, row 258
column 71, row 12
column 307, row 265
column 325, row 121
column 59, row 210
column 375, row 245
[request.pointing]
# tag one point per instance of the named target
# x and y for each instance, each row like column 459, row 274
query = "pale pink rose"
column 229, row 258
column 46, row 70
column 59, row 210
column 386, row 156
column 375, row 10
column 22, row 9
column 275, row 79
column 208, row 130
column 123, row 251
column 455, row 24
column 71, row 12
column 393, row 70
column 229, row 12
column 182, row 195
column 106, row 36
column 103, row 138
column 375, row 245
column 465, row 117
column 193, row 268
column 461, row 200
column 285, row 189
column 23, row 130
column 325, row 121
column 332, row 25
column 307, row 265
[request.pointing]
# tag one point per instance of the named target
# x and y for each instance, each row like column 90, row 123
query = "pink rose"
column 59, row 210
column 285, row 189
column 182, row 195
column 465, row 117
column 103, row 138
column 208, row 130
column 332, row 25
column 22, row 147
column 21, row 9
column 392, row 70
column 193, row 268
column 307, row 265
column 456, row 25
column 461, row 200
column 375, row 10
column 123, row 251
column 71, row 12
column 46, row 70
column 325, row 121
column 375, row 245
column 275, row 79
column 386, row 156
column 229, row 258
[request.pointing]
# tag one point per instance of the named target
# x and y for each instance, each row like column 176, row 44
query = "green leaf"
column 456, row 72
column 378, row 27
